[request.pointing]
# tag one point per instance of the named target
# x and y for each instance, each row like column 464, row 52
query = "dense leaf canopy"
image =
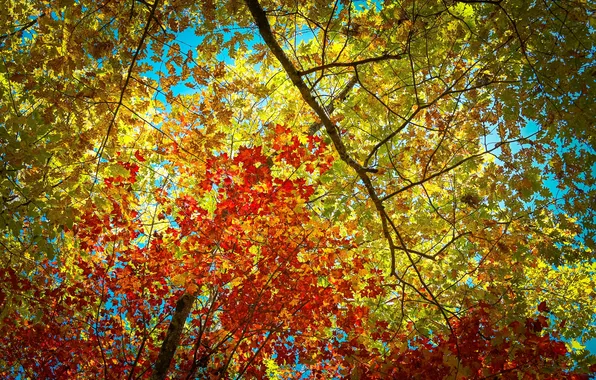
column 297, row 189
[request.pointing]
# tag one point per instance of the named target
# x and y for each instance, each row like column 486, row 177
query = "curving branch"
column 262, row 23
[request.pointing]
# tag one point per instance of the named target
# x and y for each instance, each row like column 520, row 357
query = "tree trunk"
column 172, row 339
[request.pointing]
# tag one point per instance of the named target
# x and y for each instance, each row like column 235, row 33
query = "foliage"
column 303, row 189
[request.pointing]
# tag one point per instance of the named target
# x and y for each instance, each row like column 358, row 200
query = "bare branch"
column 128, row 77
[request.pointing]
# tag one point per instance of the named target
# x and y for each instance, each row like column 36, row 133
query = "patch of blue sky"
column 531, row 129
column 188, row 42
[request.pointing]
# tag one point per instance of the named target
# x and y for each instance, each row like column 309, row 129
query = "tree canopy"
column 297, row 189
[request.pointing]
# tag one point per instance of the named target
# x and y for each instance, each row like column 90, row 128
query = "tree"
column 396, row 189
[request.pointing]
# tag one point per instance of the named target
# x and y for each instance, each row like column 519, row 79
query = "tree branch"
column 332, row 130
column 127, row 79
column 449, row 168
column 331, row 107
column 22, row 28
column 383, row 57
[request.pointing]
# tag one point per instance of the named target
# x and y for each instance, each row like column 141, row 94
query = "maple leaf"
column 138, row 156
column 543, row 308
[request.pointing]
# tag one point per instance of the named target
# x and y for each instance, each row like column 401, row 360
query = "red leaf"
column 542, row 307
column 139, row 157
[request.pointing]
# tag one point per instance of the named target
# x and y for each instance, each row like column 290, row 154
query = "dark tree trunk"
column 172, row 339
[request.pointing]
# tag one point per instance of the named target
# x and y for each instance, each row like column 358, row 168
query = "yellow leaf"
column 575, row 345
column 179, row 279
column 192, row 287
